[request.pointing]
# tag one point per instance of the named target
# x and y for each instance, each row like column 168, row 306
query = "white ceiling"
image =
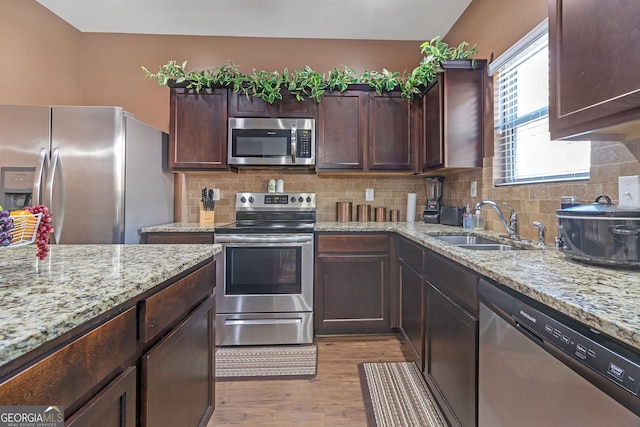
column 332, row 19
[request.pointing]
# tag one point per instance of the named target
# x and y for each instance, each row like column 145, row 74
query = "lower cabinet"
column 451, row 368
column 352, row 284
column 412, row 296
column 177, row 373
column 149, row 362
column 114, row 406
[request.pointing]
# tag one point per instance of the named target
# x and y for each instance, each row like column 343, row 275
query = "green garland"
column 308, row 83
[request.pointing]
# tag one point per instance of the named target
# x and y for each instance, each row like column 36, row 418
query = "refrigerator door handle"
column 38, row 178
column 57, row 211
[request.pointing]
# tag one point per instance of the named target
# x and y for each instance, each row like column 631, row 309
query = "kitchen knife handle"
column 39, row 177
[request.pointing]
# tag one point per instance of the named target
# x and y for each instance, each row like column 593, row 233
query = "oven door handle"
column 264, row 239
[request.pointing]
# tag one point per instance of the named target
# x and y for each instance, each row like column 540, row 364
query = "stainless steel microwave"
column 277, row 142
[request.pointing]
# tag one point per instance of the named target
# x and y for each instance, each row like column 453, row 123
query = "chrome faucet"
column 541, row 232
column 511, row 226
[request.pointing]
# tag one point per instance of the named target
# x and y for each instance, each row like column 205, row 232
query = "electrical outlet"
column 216, row 194
column 474, row 188
column 368, row 195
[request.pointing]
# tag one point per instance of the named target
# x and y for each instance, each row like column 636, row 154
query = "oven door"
column 265, row 273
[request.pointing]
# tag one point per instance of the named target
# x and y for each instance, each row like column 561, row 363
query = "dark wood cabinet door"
column 289, row 106
column 352, row 293
column 454, row 117
column 451, row 365
column 198, row 124
column 390, row 143
column 114, row 406
column 242, row 106
column 177, row 373
column 433, row 152
column 411, row 310
column 594, row 66
column 341, row 134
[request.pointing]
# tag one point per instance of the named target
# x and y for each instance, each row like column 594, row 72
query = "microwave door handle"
column 294, row 135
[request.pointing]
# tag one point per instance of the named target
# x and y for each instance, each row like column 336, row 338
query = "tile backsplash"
column 533, row 202
column 390, row 191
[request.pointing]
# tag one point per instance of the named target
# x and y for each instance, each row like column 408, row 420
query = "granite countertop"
column 180, row 227
column 42, row 300
column 606, row 299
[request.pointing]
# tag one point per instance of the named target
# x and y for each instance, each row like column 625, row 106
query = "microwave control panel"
column 304, row 144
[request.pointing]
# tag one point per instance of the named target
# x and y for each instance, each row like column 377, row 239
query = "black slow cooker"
column 601, row 233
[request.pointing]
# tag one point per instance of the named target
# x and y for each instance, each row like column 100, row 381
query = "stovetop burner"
column 272, row 213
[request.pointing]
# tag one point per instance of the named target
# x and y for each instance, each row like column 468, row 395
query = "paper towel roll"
column 411, row 207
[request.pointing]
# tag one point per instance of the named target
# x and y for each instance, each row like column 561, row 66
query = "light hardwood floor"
column 332, row 398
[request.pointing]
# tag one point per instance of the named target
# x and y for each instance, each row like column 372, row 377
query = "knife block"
column 206, row 217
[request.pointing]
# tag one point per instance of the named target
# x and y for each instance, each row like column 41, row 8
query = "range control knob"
column 251, row 199
column 243, row 199
column 308, row 199
column 293, row 200
column 300, row 199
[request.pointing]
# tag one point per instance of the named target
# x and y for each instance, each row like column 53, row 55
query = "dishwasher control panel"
column 613, row 366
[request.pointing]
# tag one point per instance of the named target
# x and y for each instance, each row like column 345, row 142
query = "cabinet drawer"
column 353, row 243
column 65, row 376
column 165, row 308
column 171, row 238
column 410, row 253
column 452, row 280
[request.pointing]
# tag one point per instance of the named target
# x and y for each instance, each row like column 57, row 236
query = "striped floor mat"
column 395, row 394
column 266, row 362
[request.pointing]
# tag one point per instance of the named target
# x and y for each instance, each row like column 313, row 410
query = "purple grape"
column 8, row 226
column 5, row 220
column 5, row 235
column 5, row 242
column 4, row 213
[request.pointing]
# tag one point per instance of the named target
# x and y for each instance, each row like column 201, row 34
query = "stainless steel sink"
column 476, row 243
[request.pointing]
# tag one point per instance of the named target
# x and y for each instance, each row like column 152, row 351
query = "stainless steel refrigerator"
column 100, row 171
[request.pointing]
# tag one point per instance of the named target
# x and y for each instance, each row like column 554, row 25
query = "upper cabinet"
column 241, row 105
column 594, row 68
column 454, row 117
column 198, row 129
column 361, row 130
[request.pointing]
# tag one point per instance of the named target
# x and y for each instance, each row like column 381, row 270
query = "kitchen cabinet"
column 352, row 283
column 451, row 322
column 73, row 374
column 594, row 67
column 412, row 297
column 360, row 130
column 198, row 129
column 453, row 117
column 114, row 406
column 242, row 106
column 178, row 237
column 164, row 336
column 177, row 373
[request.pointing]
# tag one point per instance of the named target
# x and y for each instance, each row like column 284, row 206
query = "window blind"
column 523, row 151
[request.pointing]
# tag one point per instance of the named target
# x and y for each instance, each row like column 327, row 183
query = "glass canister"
column 569, row 201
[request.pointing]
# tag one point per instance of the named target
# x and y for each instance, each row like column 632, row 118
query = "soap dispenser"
column 478, row 220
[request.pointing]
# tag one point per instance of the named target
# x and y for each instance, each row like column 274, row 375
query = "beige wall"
column 495, row 25
column 39, row 56
column 46, row 61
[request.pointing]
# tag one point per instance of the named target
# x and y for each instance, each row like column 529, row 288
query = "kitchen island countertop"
column 606, row 299
column 41, row 300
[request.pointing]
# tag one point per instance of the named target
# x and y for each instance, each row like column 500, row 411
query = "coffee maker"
column 431, row 212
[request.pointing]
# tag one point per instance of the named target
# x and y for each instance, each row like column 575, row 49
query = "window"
column 524, row 152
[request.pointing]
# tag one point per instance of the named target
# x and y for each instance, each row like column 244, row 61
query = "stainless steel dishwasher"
column 536, row 367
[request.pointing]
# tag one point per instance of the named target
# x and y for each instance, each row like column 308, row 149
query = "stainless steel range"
column 265, row 271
